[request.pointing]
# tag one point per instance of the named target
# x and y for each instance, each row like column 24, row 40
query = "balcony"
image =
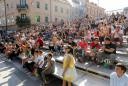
column 21, row 7
column 23, row 21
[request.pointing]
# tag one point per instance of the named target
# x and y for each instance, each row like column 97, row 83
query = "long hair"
column 70, row 49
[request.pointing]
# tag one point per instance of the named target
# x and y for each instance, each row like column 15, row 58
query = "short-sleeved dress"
column 70, row 74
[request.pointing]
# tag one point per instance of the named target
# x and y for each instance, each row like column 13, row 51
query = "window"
column 13, row 20
column 0, row 21
column 38, row 4
column 7, row 6
column 23, row 2
column 46, row 6
column 8, row 20
column 56, row 19
column 56, row 8
column 61, row 10
column 37, row 18
column 46, row 19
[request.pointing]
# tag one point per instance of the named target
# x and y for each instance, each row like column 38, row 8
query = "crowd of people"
column 90, row 40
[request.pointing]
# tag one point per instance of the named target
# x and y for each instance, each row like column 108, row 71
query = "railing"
column 22, row 7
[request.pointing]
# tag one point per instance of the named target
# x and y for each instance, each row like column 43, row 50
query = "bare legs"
column 64, row 83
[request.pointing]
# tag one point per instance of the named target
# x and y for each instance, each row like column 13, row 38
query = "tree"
column 23, row 22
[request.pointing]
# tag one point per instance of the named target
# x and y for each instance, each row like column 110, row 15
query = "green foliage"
column 23, row 22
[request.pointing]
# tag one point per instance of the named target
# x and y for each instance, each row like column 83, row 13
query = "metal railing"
column 22, row 6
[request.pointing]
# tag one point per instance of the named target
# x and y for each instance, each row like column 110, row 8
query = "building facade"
column 46, row 11
column 125, row 11
column 39, row 11
column 11, row 12
column 94, row 10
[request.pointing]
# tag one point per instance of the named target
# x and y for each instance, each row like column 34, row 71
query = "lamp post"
column 50, row 10
column 6, row 27
column 98, row 8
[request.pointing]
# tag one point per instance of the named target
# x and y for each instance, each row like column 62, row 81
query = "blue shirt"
column 118, row 81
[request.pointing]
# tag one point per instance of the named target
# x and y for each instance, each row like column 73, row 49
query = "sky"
column 110, row 5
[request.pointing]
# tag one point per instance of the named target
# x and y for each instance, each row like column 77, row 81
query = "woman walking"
column 69, row 72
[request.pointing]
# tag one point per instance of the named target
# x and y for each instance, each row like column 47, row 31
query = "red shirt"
column 83, row 45
column 93, row 45
column 96, row 34
column 39, row 41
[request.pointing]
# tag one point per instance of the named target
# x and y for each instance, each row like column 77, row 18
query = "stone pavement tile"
column 7, row 76
column 60, row 58
column 83, row 65
column 59, row 70
column 11, row 80
column 88, row 66
column 100, row 70
column 19, row 67
column 84, row 78
column 92, row 80
column 11, row 76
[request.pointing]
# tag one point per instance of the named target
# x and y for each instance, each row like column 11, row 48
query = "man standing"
column 119, row 77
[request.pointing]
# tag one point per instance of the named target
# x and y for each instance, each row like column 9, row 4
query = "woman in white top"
column 40, row 65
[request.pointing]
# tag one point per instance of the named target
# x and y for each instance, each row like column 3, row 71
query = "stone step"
column 83, row 78
column 89, row 67
column 93, row 68
column 122, row 53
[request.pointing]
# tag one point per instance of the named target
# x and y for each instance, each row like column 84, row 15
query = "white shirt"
column 40, row 61
column 112, row 29
column 118, row 34
column 118, row 81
